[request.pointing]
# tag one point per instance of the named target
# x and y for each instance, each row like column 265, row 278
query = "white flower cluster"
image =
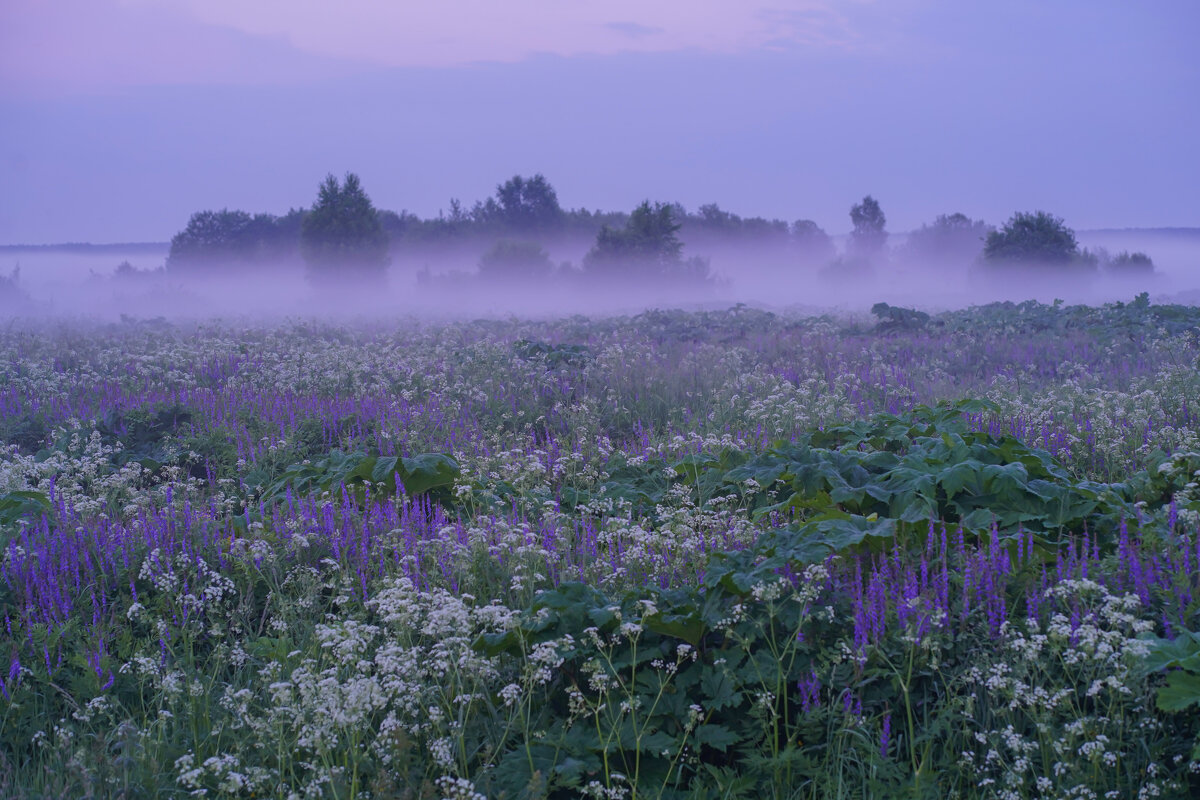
column 1074, row 689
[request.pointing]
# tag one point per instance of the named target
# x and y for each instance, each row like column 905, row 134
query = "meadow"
column 713, row 554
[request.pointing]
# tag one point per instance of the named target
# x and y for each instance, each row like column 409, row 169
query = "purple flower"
column 810, row 693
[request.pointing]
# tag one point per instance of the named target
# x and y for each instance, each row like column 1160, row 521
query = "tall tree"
column 649, row 241
column 528, row 204
column 647, row 247
column 343, row 238
column 869, row 235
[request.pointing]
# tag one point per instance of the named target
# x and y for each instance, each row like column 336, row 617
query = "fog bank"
column 86, row 281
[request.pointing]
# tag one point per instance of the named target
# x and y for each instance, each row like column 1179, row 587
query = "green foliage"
column 1032, row 238
column 556, row 356
column 648, row 247
column 432, row 473
column 894, row 319
column 225, row 241
column 952, row 239
column 320, row 648
column 145, row 433
column 899, row 470
column 27, row 431
column 528, row 205
column 342, row 238
column 1126, row 263
column 510, row 260
column 711, row 224
column 20, row 505
column 869, row 235
column 1180, row 694
column 812, row 243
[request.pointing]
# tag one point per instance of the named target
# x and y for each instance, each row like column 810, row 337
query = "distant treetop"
column 343, row 236
column 528, row 204
column 950, row 239
column 1037, row 237
column 216, row 241
column 648, row 246
column 869, row 235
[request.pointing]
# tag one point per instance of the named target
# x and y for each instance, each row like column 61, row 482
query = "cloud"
column 83, row 44
column 634, row 30
column 104, row 43
column 457, row 32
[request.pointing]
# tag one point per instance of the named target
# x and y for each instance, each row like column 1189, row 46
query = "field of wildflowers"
column 712, row 554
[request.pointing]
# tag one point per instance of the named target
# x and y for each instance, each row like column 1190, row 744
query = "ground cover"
column 709, row 554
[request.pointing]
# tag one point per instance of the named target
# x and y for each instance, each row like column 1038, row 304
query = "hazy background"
column 123, row 117
column 82, row 280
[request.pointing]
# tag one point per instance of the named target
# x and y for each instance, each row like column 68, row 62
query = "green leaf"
column 429, row 471
column 385, row 470
column 1182, row 690
column 719, row 690
column 1182, row 651
column 687, row 627
column 717, row 737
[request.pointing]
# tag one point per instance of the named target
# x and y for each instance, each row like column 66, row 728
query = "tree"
column 226, row 241
column 1029, row 238
column 713, row 218
column 648, row 245
column 343, row 236
column 950, row 239
column 513, row 260
column 222, row 239
column 813, row 243
column 1130, row 264
column 528, row 204
column 869, row 235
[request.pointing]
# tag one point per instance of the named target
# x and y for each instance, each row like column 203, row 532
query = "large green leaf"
column 429, row 471
column 1182, row 690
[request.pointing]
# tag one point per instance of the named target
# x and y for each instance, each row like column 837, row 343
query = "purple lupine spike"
column 885, row 735
column 810, row 693
column 860, row 626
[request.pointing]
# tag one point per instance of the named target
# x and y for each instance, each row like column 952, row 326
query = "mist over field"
column 84, row 281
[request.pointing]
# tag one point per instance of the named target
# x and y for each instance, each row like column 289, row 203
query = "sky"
column 120, row 118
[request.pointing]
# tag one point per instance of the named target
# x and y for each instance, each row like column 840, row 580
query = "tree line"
column 342, row 236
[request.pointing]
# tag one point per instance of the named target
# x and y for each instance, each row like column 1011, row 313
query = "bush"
column 953, row 238
column 1032, row 238
column 1126, row 263
column 514, row 260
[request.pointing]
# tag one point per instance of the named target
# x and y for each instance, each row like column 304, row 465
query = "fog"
column 74, row 281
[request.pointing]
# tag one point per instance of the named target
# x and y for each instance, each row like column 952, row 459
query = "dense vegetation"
column 718, row 554
column 343, row 237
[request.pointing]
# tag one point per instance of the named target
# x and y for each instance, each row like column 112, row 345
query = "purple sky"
column 119, row 118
